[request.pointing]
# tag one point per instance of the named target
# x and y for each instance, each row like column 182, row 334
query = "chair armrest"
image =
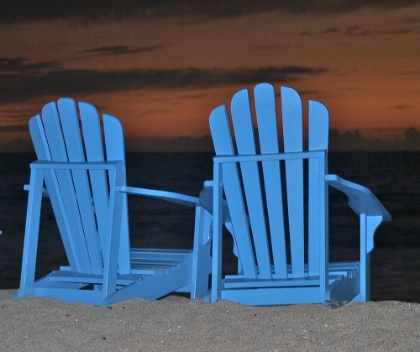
column 172, row 197
column 364, row 203
column 361, row 199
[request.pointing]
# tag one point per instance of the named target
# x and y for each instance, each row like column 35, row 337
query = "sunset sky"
column 162, row 66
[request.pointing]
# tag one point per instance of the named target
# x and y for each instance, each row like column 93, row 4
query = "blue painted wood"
column 43, row 153
column 74, row 148
column 291, row 107
column 115, row 150
column 244, row 136
column 64, row 191
column 265, row 106
column 363, row 202
column 317, row 194
column 81, row 162
column 30, row 244
column 219, row 126
column 251, row 178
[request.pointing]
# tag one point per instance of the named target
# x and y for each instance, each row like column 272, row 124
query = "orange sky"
column 162, row 69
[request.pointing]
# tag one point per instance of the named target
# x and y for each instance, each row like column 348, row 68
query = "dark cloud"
column 120, row 50
column 356, row 31
column 395, row 31
column 28, row 85
column 409, row 73
column 13, row 11
column 331, row 30
column 18, row 64
column 413, row 19
column 12, row 115
column 14, row 128
column 271, row 47
column 355, row 141
column 17, row 146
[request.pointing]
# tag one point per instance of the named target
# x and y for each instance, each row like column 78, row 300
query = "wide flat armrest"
column 361, row 199
column 172, row 197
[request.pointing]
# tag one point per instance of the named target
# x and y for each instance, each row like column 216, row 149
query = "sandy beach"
column 179, row 324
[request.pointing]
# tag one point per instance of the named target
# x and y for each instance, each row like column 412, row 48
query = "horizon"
column 162, row 67
column 352, row 141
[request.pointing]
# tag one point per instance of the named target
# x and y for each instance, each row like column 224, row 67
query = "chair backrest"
column 80, row 198
column 276, row 194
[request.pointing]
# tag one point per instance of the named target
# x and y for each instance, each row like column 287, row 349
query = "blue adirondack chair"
column 81, row 168
column 276, row 206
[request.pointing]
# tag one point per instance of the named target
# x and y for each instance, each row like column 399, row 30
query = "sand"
column 179, row 324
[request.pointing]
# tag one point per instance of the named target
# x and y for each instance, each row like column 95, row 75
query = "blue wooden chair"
column 81, row 168
column 277, row 204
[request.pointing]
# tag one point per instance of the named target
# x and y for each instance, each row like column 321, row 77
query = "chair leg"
column 30, row 245
column 364, row 294
column 201, row 261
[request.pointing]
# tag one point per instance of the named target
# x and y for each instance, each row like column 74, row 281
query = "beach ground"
column 178, row 324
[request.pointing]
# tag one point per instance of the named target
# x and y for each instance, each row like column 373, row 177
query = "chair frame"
column 267, row 283
column 102, row 257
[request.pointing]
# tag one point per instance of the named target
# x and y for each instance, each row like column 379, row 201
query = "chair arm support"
column 44, row 190
column 364, row 203
column 172, row 197
column 206, row 201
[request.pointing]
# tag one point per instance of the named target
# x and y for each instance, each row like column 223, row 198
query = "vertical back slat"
column 115, row 150
column 93, row 142
column 222, row 140
column 42, row 151
column 291, row 106
column 317, row 202
column 54, row 136
column 265, row 106
column 244, row 134
column 318, row 126
column 75, row 152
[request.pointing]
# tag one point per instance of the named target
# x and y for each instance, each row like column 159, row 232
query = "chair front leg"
column 30, row 244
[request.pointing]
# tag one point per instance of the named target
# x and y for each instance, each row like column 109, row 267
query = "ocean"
column 394, row 177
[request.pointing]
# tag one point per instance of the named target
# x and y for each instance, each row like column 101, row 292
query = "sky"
column 163, row 66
